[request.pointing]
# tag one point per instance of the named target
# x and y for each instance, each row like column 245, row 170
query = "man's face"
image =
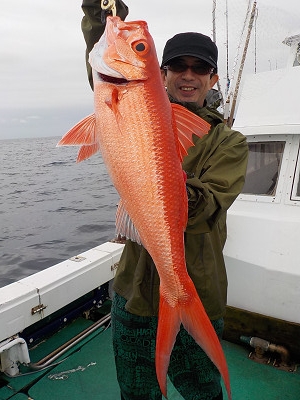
column 190, row 85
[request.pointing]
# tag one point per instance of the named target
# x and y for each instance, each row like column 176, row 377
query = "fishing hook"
column 109, row 6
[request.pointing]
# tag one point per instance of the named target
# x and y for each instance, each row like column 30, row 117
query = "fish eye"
column 140, row 47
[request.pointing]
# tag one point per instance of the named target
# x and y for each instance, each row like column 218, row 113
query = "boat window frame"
column 277, row 197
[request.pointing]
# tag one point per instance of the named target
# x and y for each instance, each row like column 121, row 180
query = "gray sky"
column 44, row 89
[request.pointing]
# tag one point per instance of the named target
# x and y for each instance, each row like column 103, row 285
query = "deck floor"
column 88, row 373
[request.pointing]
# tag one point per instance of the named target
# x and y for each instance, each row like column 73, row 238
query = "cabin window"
column 263, row 168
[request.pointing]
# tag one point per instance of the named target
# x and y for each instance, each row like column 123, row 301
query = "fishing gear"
column 108, row 7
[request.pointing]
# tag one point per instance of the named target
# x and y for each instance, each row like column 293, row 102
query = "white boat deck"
column 37, row 296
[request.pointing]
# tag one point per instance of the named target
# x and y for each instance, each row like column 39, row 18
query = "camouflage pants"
column 190, row 370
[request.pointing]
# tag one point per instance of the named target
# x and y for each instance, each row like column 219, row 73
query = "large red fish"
column 142, row 138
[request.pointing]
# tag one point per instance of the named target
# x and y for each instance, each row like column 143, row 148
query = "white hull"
column 262, row 250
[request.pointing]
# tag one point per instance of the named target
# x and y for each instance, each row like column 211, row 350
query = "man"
column 215, row 167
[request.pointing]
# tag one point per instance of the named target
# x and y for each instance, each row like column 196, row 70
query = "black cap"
column 191, row 44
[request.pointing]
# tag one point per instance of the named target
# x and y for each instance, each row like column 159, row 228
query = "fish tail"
column 168, row 327
column 196, row 322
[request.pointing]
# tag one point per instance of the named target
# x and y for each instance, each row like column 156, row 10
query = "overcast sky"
column 44, row 89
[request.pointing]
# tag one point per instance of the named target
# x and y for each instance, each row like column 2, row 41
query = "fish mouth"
column 111, row 79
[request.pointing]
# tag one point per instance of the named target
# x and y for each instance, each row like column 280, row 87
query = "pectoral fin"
column 113, row 103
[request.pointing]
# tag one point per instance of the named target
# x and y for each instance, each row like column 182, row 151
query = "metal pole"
column 230, row 120
column 215, row 40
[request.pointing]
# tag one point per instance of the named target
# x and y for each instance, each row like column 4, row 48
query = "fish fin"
column 192, row 315
column 125, row 226
column 188, row 124
column 168, row 327
column 83, row 133
column 198, row 325
column 86, row 151
column 112, row 103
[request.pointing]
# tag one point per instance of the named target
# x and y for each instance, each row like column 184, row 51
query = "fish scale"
column 143, row 138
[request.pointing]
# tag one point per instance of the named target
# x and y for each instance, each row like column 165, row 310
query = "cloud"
column 42, row 54
column 54, row 121
column 25, row 120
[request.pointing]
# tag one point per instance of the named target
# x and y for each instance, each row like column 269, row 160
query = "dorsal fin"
column 188, row 124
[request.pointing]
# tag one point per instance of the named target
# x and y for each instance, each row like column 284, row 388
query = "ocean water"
column 51, row 208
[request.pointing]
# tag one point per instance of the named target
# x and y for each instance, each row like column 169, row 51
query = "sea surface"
column 51, row 208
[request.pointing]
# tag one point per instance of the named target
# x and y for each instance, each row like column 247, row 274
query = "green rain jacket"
column 215, row 167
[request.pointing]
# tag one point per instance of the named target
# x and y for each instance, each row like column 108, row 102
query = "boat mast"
column 215, row 41
column 227, row 51
column 231, row 80
column 255, row 43
column 235, row 95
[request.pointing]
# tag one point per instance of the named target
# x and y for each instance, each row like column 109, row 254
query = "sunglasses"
column 198, row 69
